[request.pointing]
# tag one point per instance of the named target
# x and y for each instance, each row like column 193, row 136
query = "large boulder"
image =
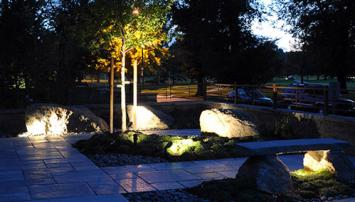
column 149, row 118
column 266, row 173
column 50, row 119
column 334, row 161
column 227, row 123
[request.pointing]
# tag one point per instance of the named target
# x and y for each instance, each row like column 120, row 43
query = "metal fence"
column 323, row 99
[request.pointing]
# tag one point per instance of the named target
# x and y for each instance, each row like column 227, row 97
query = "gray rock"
column 50, row 119
column 149, row 118
column 268, row 174
column 227, row 123
column 333, row 161
column 344, row 169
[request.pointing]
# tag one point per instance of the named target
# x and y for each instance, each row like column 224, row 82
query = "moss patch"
column 311, row 184
column 172, row 148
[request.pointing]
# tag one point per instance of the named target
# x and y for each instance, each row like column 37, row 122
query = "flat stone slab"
column 293, row 146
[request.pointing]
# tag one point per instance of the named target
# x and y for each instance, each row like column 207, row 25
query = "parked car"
column 248, row 95
column 313, row 96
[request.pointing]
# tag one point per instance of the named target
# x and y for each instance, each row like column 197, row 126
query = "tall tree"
column 73, row 24
column 130, row 26
column 326, row 30
column 217, row 38
column 21, row 39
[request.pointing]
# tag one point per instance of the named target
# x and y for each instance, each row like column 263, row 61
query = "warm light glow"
column 179, row 147
column 48, row 124
column 147, row 120
column 208, row 123
column 135, row 11
column 36, row 127
column 317, row 161
column 227, row 123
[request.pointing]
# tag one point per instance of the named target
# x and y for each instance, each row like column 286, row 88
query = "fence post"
column 166, row 94
column 189, row 90
column 274, row 93
column 253, row 95
column 326, row 102
column 235, row 93
column 205, row 88
column 170, row 91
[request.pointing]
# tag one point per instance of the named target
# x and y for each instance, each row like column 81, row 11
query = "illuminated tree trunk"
column 142, row 69
column 123, row 92
column 112, row 88
column 135, row 93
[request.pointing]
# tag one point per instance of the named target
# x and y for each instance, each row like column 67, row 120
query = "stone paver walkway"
column 178, row 175
column 50, row 169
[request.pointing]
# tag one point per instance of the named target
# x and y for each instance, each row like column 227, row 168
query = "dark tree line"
column 217, row 41
column 43, row 49
column 327, row 33
column 45, row 46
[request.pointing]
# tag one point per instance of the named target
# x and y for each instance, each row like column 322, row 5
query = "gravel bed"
column 105, row 160
column 181, row 195
column 163, row 196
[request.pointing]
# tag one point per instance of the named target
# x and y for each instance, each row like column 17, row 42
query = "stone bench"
column 265, row 170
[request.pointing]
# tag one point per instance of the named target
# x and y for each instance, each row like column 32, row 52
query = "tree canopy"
column 217, row 41
column 326, row 31
column 125, row 31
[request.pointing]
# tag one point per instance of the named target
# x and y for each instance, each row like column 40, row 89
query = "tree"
column 133, row 26
column 21, row 37
column 217, row 41
column 73, row 25
column 326, row 31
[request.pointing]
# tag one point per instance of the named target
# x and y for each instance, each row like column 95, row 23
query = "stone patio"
column 50, row 169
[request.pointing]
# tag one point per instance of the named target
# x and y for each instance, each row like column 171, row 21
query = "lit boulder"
column 48, row 119
column 317, row 160
column 334, row 161
column 149, row 118
column 227, row 123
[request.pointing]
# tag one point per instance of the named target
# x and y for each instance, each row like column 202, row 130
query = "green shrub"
column 173, row 148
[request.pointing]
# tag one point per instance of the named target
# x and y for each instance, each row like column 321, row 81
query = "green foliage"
column 173, row 148
column 127, row 27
